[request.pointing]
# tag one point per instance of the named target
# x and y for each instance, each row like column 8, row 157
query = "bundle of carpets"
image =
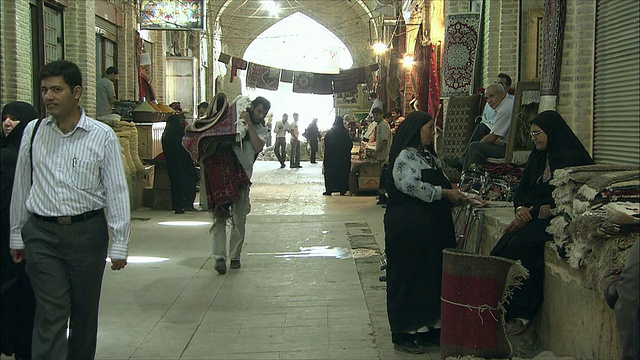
column 598, row 208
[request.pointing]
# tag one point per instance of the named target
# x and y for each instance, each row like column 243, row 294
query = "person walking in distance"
column 312, row 134
column 280, row 149
column 294, row 130
column 69, row 170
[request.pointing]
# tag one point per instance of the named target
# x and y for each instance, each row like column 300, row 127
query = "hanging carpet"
column 460, row 46
column 322, row 84
column 263, row 77
column 458, row 127
column 302, row 82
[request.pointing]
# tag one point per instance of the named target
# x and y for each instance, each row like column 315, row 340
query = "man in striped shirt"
column 64, row 180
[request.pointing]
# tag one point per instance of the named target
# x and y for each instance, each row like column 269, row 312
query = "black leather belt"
column 67, row 220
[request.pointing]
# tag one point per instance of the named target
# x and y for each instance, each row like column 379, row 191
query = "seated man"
column 489, row 115
column 493, row 144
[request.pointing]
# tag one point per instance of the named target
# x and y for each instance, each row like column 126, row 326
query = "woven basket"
column 475, row 289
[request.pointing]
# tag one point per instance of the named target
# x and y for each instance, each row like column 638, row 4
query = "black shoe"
column 235, row 264
column 381, row 202
column 282, row 166
column 454, row 163
column 326, row 193
column 409, row 347
column 220, row 266
column 343, row 193
column 428, row 339
column 179, row 211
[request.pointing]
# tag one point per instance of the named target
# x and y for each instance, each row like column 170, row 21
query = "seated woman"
column 556, row 147
column 418, row 225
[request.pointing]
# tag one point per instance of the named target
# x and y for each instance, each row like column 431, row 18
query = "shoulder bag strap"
column 33, row 137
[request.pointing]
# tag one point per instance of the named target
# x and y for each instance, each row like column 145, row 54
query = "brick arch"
column 241, row 23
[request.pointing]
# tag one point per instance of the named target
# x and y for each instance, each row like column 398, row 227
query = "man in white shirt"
column 489, row 114
column 294, row 159
column 65, row 178
column 377, row 103
column 494, row 143
column 105, row 93
column 280, row 148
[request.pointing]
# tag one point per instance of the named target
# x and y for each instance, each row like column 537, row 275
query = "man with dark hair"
column 375, row 103
column 383, row 139
column 65, row 178
column 246, row 152
column 105, row 93
column 396, row 119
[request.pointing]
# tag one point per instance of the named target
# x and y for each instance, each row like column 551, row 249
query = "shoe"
column 282, row 166
column 235, row 264
column 343, row 193
column 326, row 193
column 179, row 211
column 454, row 163
column 220, row 266
column 380, row 202
column 409, row 347
column 428, row 339
column 516, row 327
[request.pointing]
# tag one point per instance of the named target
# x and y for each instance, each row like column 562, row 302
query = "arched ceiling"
column 241, row 21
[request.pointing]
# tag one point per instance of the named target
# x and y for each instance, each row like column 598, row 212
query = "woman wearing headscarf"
column 418, row 225
column 337, row 158
column 556, row 147
column 17, row 304
column 183, row 175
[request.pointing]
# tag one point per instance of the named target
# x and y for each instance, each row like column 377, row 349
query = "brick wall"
column 127, row 48
column 80, row 47
column 15, row 54
column 508, row 42
column 575, row 95
column 158, row 38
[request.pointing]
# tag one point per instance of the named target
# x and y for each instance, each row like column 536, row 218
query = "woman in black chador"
column 337, row 158
column 418, row 225
column 556, row 147
column 17, row 302
column 182, row 173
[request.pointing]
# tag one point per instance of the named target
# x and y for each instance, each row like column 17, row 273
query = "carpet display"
column 460, row 47
column 458, row 127
column 263, row 77
column 555, row 13
column 302, row 82
column 475, row 289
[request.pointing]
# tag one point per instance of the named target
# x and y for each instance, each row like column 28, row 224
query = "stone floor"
column 308, row 287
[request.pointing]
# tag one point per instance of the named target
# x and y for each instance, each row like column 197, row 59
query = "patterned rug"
column 555, row 14
column 302, row 82
column 458, row 127
column 263, row 77
column 460, row 46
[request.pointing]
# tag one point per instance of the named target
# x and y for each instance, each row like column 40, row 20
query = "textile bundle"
column 228, row 126
column 460, row 46
column 599, row 217
column 475, row 289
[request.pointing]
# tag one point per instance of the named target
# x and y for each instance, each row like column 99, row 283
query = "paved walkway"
column 302, row 292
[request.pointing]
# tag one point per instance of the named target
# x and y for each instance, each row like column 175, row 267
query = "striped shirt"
column 73, row 173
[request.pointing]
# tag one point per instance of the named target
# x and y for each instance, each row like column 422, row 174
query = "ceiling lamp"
column 408, row 61
column 379, row 47
column 272, row 7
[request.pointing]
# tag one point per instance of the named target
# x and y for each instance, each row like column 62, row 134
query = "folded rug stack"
column 598, row 208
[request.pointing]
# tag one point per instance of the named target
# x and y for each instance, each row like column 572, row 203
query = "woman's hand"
column 455, row 196
column 523, row 214
column 515, row 225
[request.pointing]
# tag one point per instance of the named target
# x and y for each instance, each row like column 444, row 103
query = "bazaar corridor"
column 302, row 292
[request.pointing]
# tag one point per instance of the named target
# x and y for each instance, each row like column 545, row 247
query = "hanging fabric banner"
column 322, row 84
column 286, row 76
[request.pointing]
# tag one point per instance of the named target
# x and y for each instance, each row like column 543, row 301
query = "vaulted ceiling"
column 352, row 21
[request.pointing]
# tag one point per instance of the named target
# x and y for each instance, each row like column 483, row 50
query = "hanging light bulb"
column 379, row 47
column 408, row 61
